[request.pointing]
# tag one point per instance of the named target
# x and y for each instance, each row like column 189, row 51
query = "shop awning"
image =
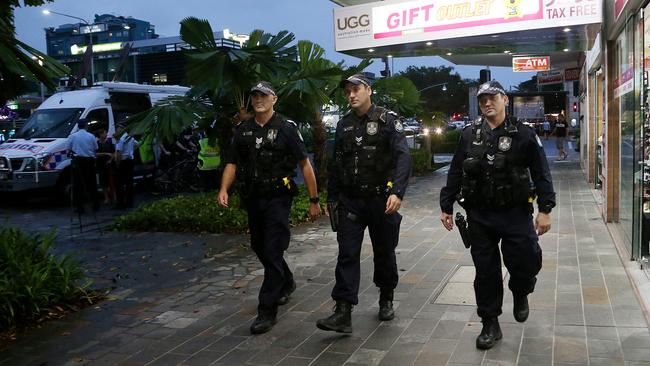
column 483, row 32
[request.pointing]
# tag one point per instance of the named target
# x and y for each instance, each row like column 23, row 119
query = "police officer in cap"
column 368, row 179
column 497, row 169
column 82, row 146
column 265, row 152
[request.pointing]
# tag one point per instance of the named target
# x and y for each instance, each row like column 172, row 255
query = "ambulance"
column 36, row 157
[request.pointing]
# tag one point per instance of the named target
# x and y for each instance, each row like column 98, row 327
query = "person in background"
column 105, row 154
column 124, row 155
column 561, row 131
column 82, row 145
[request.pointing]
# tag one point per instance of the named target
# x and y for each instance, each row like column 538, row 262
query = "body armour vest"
column 495, row 179
column 365, row 158
column 266, row 161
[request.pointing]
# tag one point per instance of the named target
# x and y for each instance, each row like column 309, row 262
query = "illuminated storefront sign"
column 105, row 47
column 381, row 24
column 526, row 64
column 550, row 77
column 572, row 74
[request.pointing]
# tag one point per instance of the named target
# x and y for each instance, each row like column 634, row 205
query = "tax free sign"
column 396, row 22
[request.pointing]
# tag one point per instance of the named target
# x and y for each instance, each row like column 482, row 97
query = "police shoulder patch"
column 399, row 127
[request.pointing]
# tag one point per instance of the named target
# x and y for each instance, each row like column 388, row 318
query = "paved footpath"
column 189, row 300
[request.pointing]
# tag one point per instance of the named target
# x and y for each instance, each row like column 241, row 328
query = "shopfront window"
column 627, row 89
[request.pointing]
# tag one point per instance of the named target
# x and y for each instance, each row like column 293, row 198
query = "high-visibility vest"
column 146, row 151
column 209, row 158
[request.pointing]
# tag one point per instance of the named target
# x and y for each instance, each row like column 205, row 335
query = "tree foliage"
column 397, row 93
column 19, row 61
column 453, row 100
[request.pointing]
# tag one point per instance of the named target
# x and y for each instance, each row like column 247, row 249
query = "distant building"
column 149, row 59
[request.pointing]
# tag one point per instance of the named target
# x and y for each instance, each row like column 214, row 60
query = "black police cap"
column 263, row 87
column 492, row 87
column 355, row 79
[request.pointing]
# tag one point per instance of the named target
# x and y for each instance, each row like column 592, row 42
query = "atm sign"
column 526, row 64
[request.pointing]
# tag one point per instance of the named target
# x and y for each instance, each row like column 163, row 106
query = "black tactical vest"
column 267, row 162
column 365, row 158
column 495, row 180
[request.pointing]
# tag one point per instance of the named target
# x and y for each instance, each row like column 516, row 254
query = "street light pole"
column 444, row 87
column 90, row 43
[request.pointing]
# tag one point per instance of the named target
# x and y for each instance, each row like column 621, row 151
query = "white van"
column 36, row 157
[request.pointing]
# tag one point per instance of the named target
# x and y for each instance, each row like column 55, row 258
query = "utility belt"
column 496, row 198
column 270, row 187
column 368, row 190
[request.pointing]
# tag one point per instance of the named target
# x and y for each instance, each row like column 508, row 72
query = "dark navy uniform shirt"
column 401, row 157
column 288, row 139
column 525, row 142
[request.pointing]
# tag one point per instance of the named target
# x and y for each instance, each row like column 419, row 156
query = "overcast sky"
column 307, row 19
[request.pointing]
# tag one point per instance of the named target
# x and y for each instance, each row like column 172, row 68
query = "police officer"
column 82, row 145
column 368, row 179
column 498, row 167
column 263, row 159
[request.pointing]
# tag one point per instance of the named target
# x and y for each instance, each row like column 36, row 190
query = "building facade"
column 126, row 49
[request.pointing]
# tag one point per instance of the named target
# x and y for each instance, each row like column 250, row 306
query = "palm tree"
column 220, row 78
column 311, row 84
column 19, row 61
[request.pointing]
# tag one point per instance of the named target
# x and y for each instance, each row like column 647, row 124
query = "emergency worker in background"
column 497, row 169
column 264, row 154
column 82, row 146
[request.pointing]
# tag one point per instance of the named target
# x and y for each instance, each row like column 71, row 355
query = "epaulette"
column 292, row 122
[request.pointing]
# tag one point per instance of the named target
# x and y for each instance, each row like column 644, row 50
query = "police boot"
column 520, row 308
column 286, row 293
column 266, row 319
column 386, row 311
column 340, row 321
column 490, row 333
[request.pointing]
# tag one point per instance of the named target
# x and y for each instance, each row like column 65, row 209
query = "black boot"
column 490, row 334
column 386, row 311
column 286, row 293
column 520, row 308
column 340, row 321
column 266, row 319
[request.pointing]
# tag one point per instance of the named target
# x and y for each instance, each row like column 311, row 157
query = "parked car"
column 413, row 125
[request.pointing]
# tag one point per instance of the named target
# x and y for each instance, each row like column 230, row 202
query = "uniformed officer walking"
column 82, row 145
column 368, row 179
column 263, row 159
column 497, row 169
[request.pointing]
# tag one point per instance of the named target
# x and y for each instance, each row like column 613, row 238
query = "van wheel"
column 64, row 188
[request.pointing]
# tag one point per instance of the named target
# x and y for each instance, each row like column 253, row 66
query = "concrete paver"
column 189, row 299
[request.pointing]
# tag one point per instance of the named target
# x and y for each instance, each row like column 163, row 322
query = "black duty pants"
column 84, row 181
column 268, row 221
column 355, row 214
column 124, row 187
column 522, row 255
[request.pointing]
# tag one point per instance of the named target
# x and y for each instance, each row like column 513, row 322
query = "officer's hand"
column 447, row 220
column 314, row 211
column 393, row 204
column 222, row 199
column 542, row 223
